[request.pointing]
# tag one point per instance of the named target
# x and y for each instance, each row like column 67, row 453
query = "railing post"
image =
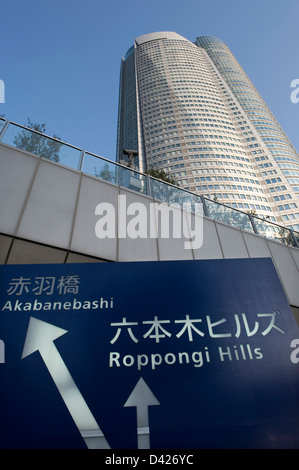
column 205, row 209
column 252, row 223
column 3, row 130
column 148, row 186
column 81, row 160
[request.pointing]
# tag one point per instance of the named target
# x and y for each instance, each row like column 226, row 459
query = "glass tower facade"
column 190, row 109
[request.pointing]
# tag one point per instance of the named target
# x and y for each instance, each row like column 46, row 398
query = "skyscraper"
column 190, row 109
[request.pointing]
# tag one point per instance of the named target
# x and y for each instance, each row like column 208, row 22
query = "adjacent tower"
column 191, row 110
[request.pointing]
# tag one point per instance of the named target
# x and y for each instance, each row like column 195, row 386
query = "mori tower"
column 191, row 110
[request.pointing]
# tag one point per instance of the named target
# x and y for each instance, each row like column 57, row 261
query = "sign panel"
column 161, row 355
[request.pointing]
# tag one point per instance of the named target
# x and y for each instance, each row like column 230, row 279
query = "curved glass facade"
column 267, row 142
column 191, row 110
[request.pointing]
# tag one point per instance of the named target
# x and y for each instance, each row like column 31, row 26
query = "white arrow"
column 40, row 337
column 142, row 397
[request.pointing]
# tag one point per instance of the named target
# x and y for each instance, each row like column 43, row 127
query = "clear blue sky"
column 60, row 59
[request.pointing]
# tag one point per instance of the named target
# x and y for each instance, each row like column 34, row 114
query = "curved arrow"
column 40, row 337
column 142, row 397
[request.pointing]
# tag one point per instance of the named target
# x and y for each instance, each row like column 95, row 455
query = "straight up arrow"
column 40, row 337
column 142, row 397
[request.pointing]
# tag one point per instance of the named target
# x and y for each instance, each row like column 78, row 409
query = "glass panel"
column 2, row 122
column 100, row 168
column 174, row 195
column 159, row 190
column 164, row 192
column 229, row 216
column 132, row 180
column 275, row 232
column 191, row 202
column 41, row 146
column 110, row 171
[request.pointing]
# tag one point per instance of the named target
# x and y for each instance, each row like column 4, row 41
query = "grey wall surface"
column 47, row 215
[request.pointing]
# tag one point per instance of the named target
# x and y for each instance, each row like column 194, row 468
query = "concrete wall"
column 47, row 215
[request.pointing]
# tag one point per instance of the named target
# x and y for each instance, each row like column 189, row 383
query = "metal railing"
column 44, row 146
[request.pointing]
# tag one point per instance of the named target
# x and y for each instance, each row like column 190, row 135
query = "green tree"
column 105, row 173
column 38, row 144
column 161, row 174
column 168, row 192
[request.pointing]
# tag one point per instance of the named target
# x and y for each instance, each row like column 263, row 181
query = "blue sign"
column 161, row 355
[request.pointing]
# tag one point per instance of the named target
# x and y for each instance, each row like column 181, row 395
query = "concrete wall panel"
column 138, row 249
column 84, row 239
column 174, row 248
column 5, row 243
column 295, row 254
column 49, row 212
column 257, row 247
column 17, row 171
column 23, row 252
column 287, row 270
column 210, row 248
column 232, row 242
